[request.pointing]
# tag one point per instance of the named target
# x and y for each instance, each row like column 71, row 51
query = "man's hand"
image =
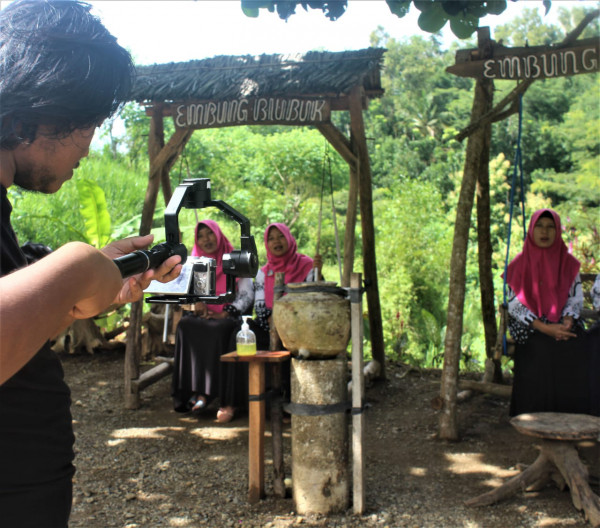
column 133, row 287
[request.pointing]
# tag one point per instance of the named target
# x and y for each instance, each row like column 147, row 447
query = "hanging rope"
column 517, row 167
column 335, row 228
column 321, row 201
column 327, row 159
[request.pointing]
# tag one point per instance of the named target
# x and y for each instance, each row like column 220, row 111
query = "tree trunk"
column 456, row 297
column 486, row 280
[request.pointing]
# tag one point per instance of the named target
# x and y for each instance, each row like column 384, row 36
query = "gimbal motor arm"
column 196, row 194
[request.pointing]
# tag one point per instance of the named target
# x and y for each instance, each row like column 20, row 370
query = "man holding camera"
column 61, row 74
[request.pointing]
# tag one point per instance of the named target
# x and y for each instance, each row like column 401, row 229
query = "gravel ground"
column 154, row 468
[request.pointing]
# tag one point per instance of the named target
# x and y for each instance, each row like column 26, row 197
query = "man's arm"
column 74, row 282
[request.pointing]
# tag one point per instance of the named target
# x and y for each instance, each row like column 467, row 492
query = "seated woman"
column 282, row 257
column 545, row 299
column 204, row 335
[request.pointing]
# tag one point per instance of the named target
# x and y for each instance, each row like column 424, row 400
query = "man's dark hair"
column 59, row 67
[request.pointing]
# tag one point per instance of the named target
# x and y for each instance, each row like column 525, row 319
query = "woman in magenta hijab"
column 205, row 333
column 545, row 300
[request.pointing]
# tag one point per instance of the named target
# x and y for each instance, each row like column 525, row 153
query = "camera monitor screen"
column 178, row 286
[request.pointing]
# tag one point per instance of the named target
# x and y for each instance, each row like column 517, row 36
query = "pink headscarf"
column 296, row 266
column 541, row 277
column 223, row 246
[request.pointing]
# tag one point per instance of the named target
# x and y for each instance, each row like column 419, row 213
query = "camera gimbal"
column 194, row 194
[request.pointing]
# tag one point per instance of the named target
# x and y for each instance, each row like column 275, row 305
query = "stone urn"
column 313, row 319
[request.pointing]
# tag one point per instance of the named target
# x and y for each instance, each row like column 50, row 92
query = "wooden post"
column 486, row 280
column 133, row 349
column 256, row 427
column 358, row 393
column 134, row 341
column 456, row 296
column 162, row 158
column 276, row 405
column 368, row 227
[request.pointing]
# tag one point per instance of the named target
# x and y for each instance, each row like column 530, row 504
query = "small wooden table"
column 558, row 460
column 256, row 411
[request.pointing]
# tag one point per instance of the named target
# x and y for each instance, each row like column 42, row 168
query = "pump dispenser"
column 245, row 340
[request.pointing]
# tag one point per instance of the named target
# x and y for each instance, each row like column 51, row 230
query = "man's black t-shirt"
column 36, row 433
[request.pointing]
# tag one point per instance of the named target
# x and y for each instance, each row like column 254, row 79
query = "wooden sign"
column 251, row 111
column 535, row 62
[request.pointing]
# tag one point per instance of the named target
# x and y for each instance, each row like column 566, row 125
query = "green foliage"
column 463, row 15
column 56, row 219
column 414, row 238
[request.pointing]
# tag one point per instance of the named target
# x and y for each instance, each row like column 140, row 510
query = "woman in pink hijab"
column 207, row 332
column 282, row 257
column 545, row 300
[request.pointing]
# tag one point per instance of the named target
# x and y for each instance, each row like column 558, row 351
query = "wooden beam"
column 490, row 388
column 153, row 375
column 339, row 142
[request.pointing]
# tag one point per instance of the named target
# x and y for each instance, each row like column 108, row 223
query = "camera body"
column 204, row 275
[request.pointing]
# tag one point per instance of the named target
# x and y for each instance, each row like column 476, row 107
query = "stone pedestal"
column 319, row 435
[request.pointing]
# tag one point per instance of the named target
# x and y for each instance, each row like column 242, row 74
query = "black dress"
column 552, row 376
column 549, row 375
column 199, row 345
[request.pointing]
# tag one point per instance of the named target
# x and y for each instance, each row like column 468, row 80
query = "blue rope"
column 517, row 166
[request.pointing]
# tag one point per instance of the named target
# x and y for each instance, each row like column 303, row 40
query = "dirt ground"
column 153, row 467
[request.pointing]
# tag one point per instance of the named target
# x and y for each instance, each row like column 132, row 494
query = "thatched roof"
column 316, row 73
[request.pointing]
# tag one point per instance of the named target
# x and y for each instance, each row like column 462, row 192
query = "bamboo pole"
column 358, row 394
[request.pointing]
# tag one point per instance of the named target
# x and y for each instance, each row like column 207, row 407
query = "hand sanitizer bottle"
column 245, row 340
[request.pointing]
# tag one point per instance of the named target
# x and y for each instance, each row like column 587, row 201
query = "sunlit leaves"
column 93, row 209
column 463, row 15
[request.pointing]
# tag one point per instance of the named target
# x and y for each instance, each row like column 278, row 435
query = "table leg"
column 256, row 429
column 277, row 433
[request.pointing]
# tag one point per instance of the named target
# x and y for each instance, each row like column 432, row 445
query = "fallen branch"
column 490, row 388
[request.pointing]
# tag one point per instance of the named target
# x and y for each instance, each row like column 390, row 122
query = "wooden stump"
column 81, row 335
column 558, row 460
